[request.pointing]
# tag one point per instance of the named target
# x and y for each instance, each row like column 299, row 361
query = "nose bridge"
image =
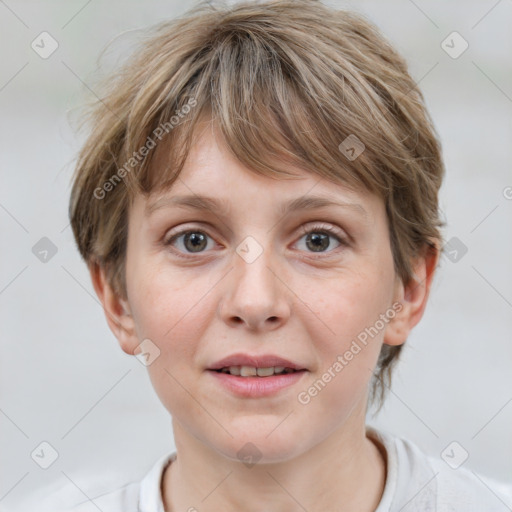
column 255, row 296
column 252, row 264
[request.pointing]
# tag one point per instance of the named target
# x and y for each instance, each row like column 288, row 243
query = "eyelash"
column 320, row 228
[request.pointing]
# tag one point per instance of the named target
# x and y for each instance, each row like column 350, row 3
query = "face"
column 250, row 277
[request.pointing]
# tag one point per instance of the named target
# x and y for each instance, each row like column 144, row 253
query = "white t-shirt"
column 415, row 482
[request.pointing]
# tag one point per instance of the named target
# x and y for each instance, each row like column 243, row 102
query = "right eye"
column 192, row 240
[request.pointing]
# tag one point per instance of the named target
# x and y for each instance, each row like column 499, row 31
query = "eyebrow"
column 197, row 202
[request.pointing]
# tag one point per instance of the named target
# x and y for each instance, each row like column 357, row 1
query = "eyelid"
column 308, row 227
column 184, row 228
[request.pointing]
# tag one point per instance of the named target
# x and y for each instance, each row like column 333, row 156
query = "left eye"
column 317, row 239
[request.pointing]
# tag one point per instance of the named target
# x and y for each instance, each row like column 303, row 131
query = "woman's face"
column 252, row 276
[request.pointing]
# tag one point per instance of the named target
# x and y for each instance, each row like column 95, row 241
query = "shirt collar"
column 150, row 497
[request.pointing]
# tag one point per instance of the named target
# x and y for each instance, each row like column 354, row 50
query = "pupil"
column 197, row 240
column 320, row 241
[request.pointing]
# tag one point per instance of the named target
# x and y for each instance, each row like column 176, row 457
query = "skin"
column 292, row 301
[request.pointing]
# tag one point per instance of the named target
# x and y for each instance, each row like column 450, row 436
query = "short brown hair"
column 286, row 82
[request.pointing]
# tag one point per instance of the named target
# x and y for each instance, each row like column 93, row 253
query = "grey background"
column 63, row 377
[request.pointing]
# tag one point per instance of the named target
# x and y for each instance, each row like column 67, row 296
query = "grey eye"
column 317, row 241
column 320, row 239
column 195, row 241
column 192, row 241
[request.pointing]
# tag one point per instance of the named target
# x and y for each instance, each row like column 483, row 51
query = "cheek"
column 346, row 305
column 347, row 328
column 173, row 312
column 167, row 305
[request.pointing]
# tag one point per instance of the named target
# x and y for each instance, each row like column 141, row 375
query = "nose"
column 255, row 295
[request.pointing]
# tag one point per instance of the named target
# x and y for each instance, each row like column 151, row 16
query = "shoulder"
column 463, row 489
column 420, row 482
column 124, row 499
column 140, row 496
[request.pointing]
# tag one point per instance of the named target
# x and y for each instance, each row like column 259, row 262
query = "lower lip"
column 256, row 387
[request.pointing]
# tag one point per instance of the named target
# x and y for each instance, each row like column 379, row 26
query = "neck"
column 346, row 472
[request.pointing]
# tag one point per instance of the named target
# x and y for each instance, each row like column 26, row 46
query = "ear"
column 116, row 309
column 412, row 296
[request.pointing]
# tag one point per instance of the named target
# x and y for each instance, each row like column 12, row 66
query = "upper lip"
column 256, row 361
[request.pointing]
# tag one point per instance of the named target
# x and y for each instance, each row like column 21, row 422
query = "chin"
column 255, row 445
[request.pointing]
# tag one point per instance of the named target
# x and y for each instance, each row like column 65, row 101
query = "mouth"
column 249, row 382
column 256, row 365
column 252, row 371
column 256, row 375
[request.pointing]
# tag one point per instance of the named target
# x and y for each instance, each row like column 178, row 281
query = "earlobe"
column 413, row 297
column 116, row 309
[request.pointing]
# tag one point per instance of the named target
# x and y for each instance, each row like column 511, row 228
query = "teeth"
column 251, row 371
column 247, row 371
column 265, row 372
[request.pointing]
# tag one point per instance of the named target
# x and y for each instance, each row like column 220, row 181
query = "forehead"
column 212, row 178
